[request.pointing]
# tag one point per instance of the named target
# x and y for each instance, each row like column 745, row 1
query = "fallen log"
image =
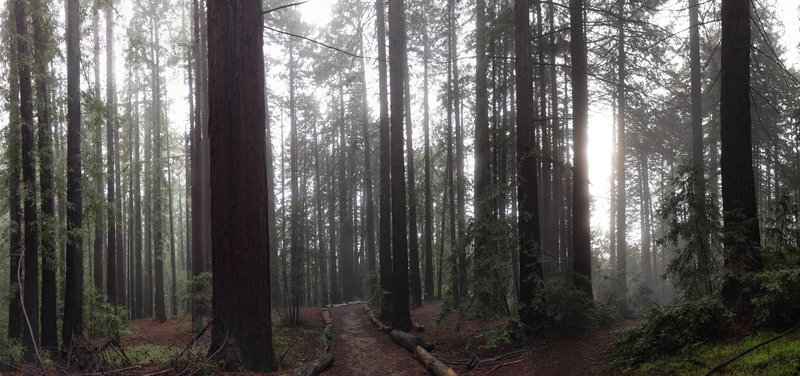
column 374, row 320
column 314, row 367
column 436, row 366
column 409, row 342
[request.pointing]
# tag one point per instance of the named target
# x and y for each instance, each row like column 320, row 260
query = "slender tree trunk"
column 138, row 310
column 346, row 221
column 241, row 304
column 413, row 242
column 318, row 195
column 332, row 274
column 296, row 275
column 157, row 270
column 461, row 182
column 428, row 198
column 73, row 294
column 644, row 180
column 621, row 270
column 368, row 201
column 483, row 214
column 111, row 121
column 581, row 238
column 173, row 267
column 401, row 316
column 274, row 274
column 98, row 155
column 385, row 220
column 740, row 212
column 42, row 58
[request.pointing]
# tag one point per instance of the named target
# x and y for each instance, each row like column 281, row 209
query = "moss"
column 774, row 359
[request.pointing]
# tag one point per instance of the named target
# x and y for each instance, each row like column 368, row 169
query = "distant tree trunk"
column 42, row 58
column 385, row 220
column 558, row 155
column 295, row 269
column 647, row 266
column 173, row 267
column 13, row 145
column 740, row 213
column 483, row 212
column 73, row 294
column 111, row 125
column 369, row 226
column 428, row 199
column 581, row 238
column 530, row 252
column 401, row 316
column 332, row 273
column 31, row 291
column 138, row 310
column 157, row 215
column 461, row 181
column 345, row 219
column 198, row 209
column 147, row 202
column 621, row 272
column 413, row 242
column 549, row 235
column 241, row 303
column 318, row 193
column 98, row 155
column 696, row 98
column 274, row 275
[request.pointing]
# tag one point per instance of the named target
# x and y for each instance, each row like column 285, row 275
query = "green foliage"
column 566, row 305
column 667, row 330
column 778, row 358
column 373, row 284
column 102, row 318
column 197, row 294
column 778, row 302
column 148, row 354
column 693, row 227
column 10, row 351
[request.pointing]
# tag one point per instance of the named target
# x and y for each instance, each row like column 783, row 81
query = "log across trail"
column 360, row 349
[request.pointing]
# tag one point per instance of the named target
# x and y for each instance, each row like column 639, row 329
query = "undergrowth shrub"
column 10, row 351
column 102, row 318
column 777, row 304
column 666, row 330
column 567, row 306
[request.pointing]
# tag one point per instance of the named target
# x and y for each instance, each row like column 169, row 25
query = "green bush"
column 666, row 330
column 777, row 303
column 566, row 305
column 102, row 318
column 10, row 351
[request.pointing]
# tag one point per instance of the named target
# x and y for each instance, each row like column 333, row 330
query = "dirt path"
column 360, row 349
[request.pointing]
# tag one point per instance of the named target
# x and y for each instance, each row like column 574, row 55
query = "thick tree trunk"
column 42, row 57
column 241, row 303
column 740, row 213
column 384, row 218
column 73, row 294
column 530, row 251
column 30, row 291
column 581, row 238
column 13, row 145
column 401, row 316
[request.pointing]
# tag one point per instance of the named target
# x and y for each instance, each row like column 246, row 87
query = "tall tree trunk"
column 138, row 310
column 621, row 270
column 384, row 219
column 332, row 271
column 296, row 275
column 13, row 146
column 401, row 316
column 530, row 253
column 274, row 274
column 318, row 195
column 415, row 284
column 157, row 215
column 198, row 208
column 426, row 130
column 740, row 214
column 173, row 266
column 482, row 257
column 111, row 122
column 581, row 238
column 73, row 294
column 345, row 219
column 369, row 226
column 461, row 181
column 98, row 156
column 31, row 281
column 42, row 38
column 241, row 304
column 644, row 180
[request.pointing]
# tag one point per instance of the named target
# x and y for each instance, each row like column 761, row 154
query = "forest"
column 400, row 187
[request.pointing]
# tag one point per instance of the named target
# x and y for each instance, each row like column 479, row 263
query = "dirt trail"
column 360, row 349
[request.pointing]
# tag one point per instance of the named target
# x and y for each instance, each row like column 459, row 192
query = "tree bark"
column 581, row 238
column 241, row 293
column 157, row 269
column 621, row 267
column 97, row 142
column 415, row 284
column 401, row 316
column 42, row 39
column 385, row 220
column 111, row 125
column 13, row 146
column 742, row 238
column 426, row 130
column 73, row 294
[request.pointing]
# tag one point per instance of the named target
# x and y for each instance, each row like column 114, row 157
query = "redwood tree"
column 240, row 238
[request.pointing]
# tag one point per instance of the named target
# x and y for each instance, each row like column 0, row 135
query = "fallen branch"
column 409, row 342
column 374, row 320
column 739, row 355
column 436, row 366
column 314, row 367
